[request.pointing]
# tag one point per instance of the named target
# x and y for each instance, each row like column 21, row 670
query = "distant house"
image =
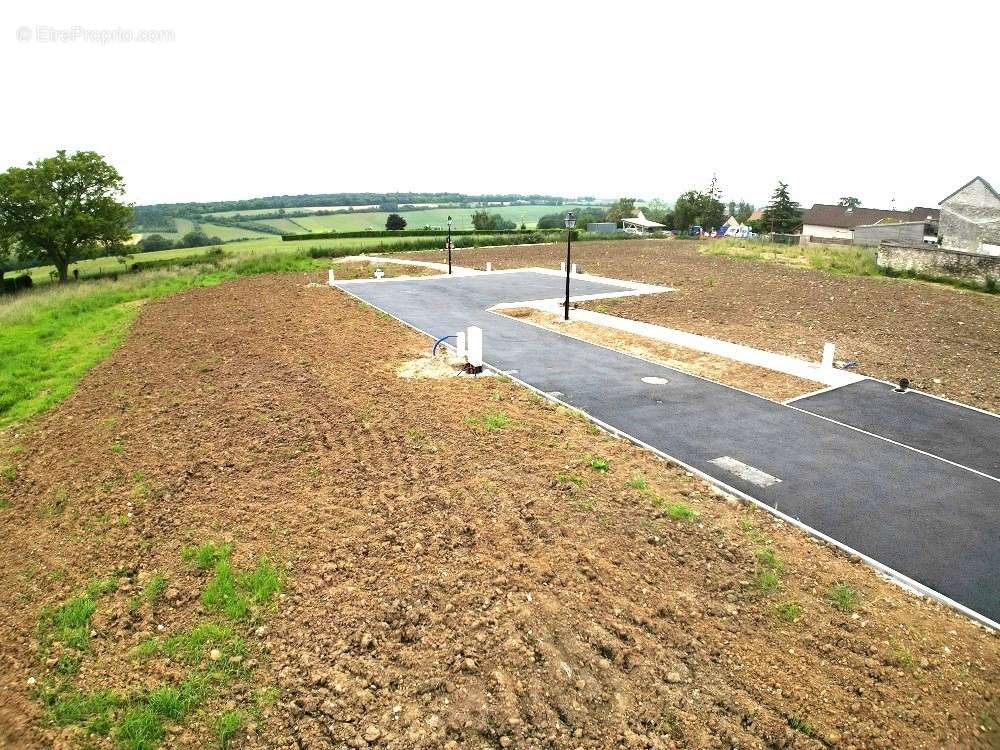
column 824, row 221
column 970, row 218
column 641, row 225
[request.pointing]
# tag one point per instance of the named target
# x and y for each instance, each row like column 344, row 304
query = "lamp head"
column 570, row 220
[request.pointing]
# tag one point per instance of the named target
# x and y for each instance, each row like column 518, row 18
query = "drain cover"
column 653, row 380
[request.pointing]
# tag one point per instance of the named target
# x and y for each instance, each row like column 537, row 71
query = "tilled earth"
column 466, row 566
column 946, row 341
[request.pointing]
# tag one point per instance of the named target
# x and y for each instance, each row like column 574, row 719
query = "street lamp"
column 448, row 242
column 570, row 223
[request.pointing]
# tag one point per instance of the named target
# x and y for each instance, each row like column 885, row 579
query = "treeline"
column 194, row 238
column 156, row 215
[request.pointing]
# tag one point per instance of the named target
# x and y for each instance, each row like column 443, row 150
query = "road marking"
column 653, row 380
column 744, row 471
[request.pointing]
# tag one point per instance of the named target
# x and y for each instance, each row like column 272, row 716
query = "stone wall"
column 938, row 261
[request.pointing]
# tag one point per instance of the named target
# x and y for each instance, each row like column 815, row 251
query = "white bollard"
column 489, row 266
column 475, row 343
column 330, row 277
column 573, row 267
column 460, row 344
column 379, row 273
column 562, row 267
column 828, row 356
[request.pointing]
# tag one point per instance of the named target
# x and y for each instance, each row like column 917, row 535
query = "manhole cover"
column 653, row 380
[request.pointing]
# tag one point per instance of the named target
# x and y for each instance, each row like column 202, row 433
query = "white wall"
column 833, row 232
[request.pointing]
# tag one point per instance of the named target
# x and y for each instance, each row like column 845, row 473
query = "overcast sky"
column 882, row 100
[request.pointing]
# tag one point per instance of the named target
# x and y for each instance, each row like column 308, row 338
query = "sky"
column 886, row 101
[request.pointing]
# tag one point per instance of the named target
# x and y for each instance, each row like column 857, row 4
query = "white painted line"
column 894, row 442
column 744, row 471
column 829, row 388
column 894, row 576
column 654, row 380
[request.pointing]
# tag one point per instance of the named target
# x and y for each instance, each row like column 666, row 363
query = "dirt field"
column 461, row 566
column 944, row 340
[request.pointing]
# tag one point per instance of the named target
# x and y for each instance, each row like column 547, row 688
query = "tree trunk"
column 63, row 269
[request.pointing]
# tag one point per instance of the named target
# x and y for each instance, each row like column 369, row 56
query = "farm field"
column 945, row 340
column 262, row 245
column 264, row 211
column 435, row 217
column 449, row 562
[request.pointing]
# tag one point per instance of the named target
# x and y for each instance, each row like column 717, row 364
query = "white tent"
column 640, row 225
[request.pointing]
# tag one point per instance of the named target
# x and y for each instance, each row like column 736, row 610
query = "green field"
column 259, row 211
column 264, row 245
column 436, row 218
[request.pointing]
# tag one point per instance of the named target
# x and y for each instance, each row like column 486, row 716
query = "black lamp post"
column 449, row 245
column 570, row 223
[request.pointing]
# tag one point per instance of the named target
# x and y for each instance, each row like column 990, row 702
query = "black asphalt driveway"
column 926, row 518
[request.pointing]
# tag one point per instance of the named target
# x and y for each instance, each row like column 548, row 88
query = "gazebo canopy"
column 641, row 222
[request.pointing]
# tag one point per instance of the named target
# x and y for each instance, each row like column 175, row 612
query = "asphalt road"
column 928, row 519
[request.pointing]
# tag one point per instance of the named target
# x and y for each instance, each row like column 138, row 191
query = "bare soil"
column 776, row 386
column 945, row 340
column 467, row 565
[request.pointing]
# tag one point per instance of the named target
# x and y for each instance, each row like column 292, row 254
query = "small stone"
column 93, row 633
column 261, row 631
column 31, row 681
column 372, row 733
column 924, row 663
column 215, row 654
column 172, row 594
column 160, row 628
column 505, row 741
column 673, row 677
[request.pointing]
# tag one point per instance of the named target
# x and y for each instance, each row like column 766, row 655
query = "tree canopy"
column 849, row 201
column 394, row 222
column 697, row 208
column 485, row 220
column 782, row 214
column 65, row 208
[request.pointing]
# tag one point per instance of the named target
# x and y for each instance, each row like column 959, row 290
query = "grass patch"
column 843, row 597
column 789, row 611
column 226, row 727
column 681, row 512
column 236, row 595
column 491, row 421
column 767, row 559
column 139, row 729
column 154, row 590
column 801, row 725
column 637, row 483
column 206, row 556
column 68, row 624
column 190, row 646
column 600, row 465
column 568, row 477
column 766, row 580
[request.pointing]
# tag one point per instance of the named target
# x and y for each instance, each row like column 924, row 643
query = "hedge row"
column 410, row 233
column 433, row 243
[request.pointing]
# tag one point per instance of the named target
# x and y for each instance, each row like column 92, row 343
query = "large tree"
column 782, row 214
column 849, row 201
column 697, row 208
column 394, row 222
column 65, row 208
